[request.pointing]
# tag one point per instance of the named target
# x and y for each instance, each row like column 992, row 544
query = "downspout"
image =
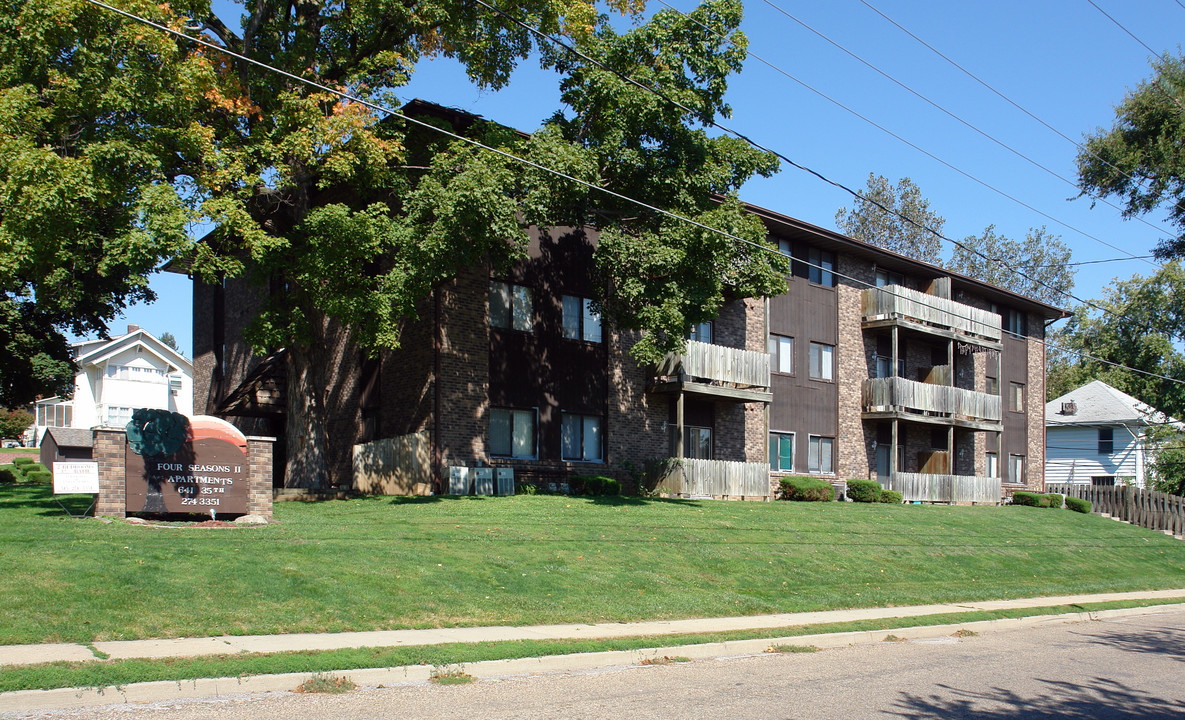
column 437, row 341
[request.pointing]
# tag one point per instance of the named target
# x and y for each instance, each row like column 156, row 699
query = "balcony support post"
column 893, row 448
column 679, row 424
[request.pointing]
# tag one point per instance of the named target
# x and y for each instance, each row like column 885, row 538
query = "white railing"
column 745, row 368
column 898, row 393
column 706, row 478
column 897, row 301
column 926, row 487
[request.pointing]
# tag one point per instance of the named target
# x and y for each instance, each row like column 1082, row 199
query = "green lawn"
column 380, row 563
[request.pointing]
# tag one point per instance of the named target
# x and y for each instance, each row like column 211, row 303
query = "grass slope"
column 379, row 563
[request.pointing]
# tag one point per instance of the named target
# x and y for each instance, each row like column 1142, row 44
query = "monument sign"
column 177, row 464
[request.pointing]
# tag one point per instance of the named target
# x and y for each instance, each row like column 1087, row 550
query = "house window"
column 993, row 465
column 785, row 248
column 1016, row 468
column 56, row 415
column 697, row 442
column 822, row 361
column 1016, row 397
column 118, row 416
column 1106, row 441
column 511, row 306
column 1015, row 322
column 884, row 366
column 581, row 438
column 820, row 452
column 1103, row 480
column 781, row 451
column 884, row 460
column 512, row 433
column 822, row 265
column 581, row 322
column 781, row 353
column 993, row 386
column 701, row 332
column 887, row 277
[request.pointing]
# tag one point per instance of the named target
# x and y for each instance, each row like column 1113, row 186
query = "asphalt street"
column 1120, row 668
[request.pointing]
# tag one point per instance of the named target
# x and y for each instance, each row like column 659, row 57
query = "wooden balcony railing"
column 901, row 395
column 744, row 368
column 924, row 487
column 896, row 301
column 715, row 478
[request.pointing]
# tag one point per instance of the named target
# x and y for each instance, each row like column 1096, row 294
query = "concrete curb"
column 150, row 692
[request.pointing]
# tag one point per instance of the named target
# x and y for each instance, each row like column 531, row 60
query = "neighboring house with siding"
column 870, row 365
column 1097, row 435
column 116, row 376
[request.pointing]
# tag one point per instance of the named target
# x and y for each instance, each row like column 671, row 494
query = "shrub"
column 21, row 460
column 7, row 477
column 1078, row 504
column 891, row 496
column 1055, row 500
column 39, row 477
column 866, row 491
column 808, row 489
column 1024, row 497
column 598, row 485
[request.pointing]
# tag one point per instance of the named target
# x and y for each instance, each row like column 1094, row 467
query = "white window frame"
column 993, row 464
column 580, row 321
column 687, row 440
column 513, row 417
column 702, row 332
column 775, row 448
column 825, row 373
column 590, row 451
column 1015, row 463
column 519, row 301
column 1016, row 397
column 821, row 267
column 814, row 462
column 779, row 360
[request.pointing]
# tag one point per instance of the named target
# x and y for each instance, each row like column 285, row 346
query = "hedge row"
column 1033, row 499
column 598, row 485
column 806, row 489
column 26, row 470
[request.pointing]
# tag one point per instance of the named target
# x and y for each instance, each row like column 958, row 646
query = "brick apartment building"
column 870, row 365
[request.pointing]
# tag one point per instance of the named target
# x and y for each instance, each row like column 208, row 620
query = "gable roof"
column 93, row 354
column 1097, row 403
column 71, row 437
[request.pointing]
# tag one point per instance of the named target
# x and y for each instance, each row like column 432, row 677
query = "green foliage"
column 807, row 489
column 1143, row 327
column 862, row 490
column 1025, row 497
column 1054, row 500
column 1078, row 504
column 891, row 497
column 1035, row 268
column 1166, row 450
column 1139, row 159
column 13, row 422
column 21, row 460
column 598, row 485
column 326, row 684
column 7, row 476
column 526, row 489
column 39, row 477
column 867, row 221
column 153, row 432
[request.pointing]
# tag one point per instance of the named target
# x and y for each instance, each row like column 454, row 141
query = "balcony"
column 940, row 404
column 928, row 313
column 715, row 370
column 954, row 489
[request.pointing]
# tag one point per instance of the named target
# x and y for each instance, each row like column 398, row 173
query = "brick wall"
column 465, row 369
column 1035, row 405
column 109, row 452
column 854, row 451
column 259, row 475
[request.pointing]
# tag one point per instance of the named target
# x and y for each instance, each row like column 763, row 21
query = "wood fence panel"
column 717, row 478
column 394, row 466
column 1146, row 508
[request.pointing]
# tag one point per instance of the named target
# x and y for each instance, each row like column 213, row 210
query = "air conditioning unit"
column 483, row 481
column 458, row 480
column 505, row 481
column 1069, row 408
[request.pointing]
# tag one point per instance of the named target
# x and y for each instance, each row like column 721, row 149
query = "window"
column 1103, row 480
column 697, row 442
column 781, row 354
column 1015, row 322
column 1016, row 397
column 511, row 306
column 993, row 465
column 512, row 433
column 887, row 277
column 118, row 416
column 785, row 248
column 56, row 415
column 1016, row 467
column 822, row 265
column 819, row 455
column 701, row 332
column 884, row 459
column 993, row 386
column 822, row 361
column 1106, row 441
column 581, row 438
column 580, row 321
column 781, row 451
column 884, row 366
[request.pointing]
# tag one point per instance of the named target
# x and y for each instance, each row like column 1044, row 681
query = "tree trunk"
column 307, row 440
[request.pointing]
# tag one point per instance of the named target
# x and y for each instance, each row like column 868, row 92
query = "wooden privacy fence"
column 394, row 466
column 897, row 301
column 716, row 362
column 929, row 487
column 1146, row 508
column 900, row 393
column 716, row 478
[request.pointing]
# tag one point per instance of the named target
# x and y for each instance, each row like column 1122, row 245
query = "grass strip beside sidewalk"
column 101, row 674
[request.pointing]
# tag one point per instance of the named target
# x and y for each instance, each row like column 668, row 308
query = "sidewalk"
column 233, row 644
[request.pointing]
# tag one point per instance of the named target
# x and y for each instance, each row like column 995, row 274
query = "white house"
column 117, row 376
column 1097, row 435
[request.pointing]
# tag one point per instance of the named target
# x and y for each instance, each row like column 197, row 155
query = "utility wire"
column 1129, row 32
column 1010, row 101
column 667, row 213
column 927, row 153
column 950, row 114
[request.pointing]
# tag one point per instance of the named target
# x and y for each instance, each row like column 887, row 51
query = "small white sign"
column 75, row 477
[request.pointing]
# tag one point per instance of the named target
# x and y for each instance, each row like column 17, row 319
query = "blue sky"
column 1064, row 62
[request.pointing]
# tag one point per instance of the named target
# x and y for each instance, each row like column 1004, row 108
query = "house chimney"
column 132, row 328
column 1070, row 408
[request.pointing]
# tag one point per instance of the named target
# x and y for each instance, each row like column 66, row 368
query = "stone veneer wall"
column 637, row 431
column 464, row 370
column 855, row 455
column 1035, row 405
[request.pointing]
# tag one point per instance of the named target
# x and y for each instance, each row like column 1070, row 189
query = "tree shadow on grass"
column 1090, row 699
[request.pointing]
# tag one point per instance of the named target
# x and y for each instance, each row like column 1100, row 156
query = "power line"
column 1010, row 101
column 592, row 186
column 947, row 112
column 1129, row 32
column 925, row 152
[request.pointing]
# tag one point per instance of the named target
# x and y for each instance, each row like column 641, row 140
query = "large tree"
column 1038, row 267
column 1141, row 158
column 894, row 217
column 351, row 220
